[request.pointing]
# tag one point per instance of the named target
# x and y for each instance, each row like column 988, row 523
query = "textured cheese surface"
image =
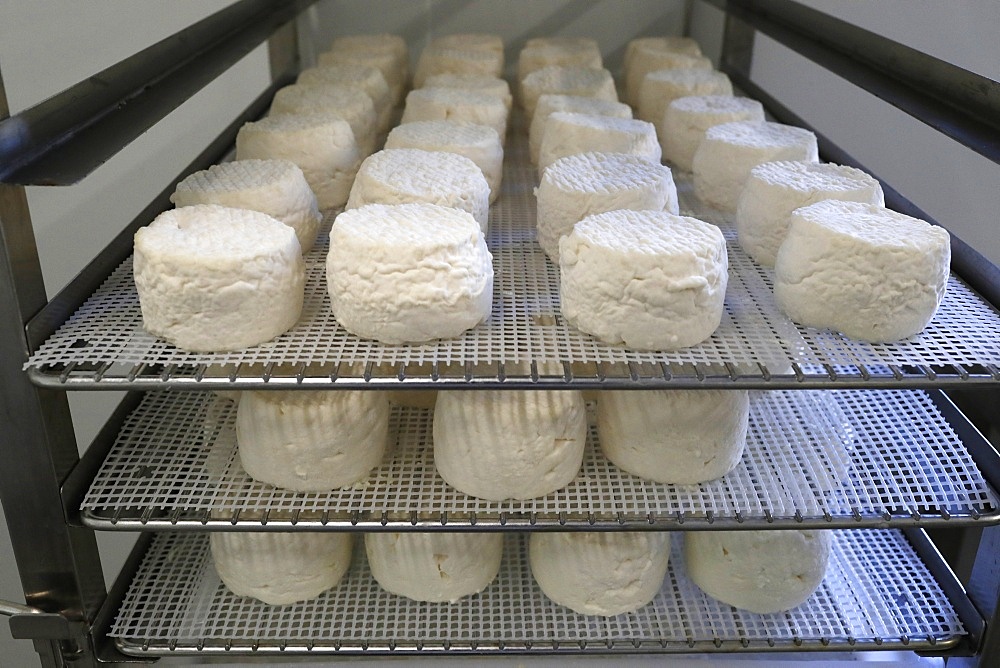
column 775, row 189
column 280, row 568
column 582, row 184
column 214, row 278
column 603, row 573
column 686, row 119
column 564, row 51
column 348, row 102
column 477, row 82
column 274, row 187
column 322, row 145
column 481, row 41
column 651, row 57
column 567, row 133
column 551, row 103
column 450, row 104
column 386, row 61
column 728, row 152
column 678, row 437
column 478, row 143
column 408, row 272
column 676, row 44
column 446, row 59
column 311, row 440
column 861, row 269
column 402, row 175
column 509, row 444
column 437, row 567
column 365, row 77
column 759, row 571
column 566, row 80
column 661, row 87
column 644, row 279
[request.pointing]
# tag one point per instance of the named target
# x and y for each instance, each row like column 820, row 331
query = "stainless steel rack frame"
column 69, row 614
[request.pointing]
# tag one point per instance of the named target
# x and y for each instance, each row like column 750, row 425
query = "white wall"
column 46, row 46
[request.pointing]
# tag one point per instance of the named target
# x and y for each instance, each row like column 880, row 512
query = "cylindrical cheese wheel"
column 687, row 118
column 567, row 133
column 550, row 103
column 662, row 87
column 566, row 80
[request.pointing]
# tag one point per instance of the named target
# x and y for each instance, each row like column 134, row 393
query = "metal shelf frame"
column 79, row 129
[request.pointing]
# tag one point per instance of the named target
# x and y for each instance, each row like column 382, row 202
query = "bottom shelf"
column 877, row 594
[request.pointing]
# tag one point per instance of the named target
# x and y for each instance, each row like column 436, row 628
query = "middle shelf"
column 825, row 459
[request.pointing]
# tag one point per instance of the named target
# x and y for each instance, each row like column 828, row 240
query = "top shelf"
column 526, row 343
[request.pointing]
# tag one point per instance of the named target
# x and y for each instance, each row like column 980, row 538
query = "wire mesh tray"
column 104, row 346
column 844, row 458
column 877, row 594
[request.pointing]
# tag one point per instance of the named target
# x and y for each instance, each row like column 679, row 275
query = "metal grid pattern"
column 105, row 341
column 877, row 594
column 822, row 458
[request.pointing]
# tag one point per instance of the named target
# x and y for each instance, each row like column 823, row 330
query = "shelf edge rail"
column 959, row 104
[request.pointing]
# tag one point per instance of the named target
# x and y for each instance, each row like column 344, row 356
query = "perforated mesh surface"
column 875, row 594
column 832, row 458
column 525, row 324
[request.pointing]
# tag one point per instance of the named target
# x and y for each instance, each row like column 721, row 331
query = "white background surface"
column 47, row 45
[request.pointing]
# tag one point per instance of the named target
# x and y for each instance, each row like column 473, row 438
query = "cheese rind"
column 759, row 571
column 869, row 272
column 478, row 82
column 661, row 87
column 558, row 51
column 478, row 143
column 604, row 573
column 551, row 103
column 405, row 175
column 321, row 144
column 775, row 189
column 408, row 272
column 275, row 187
column 728, row 152
column 213, row 278
column 644, row 279
column 348, row 102
column 444, row 58
column 434, row 566
column 354, row 76
column 509, row 444
column 280, row 568
column 310, row 441
column 687, row 118
column 566, row 80
column 651, row 57
column 579, row 185
column 567, row 133
column 680, row 437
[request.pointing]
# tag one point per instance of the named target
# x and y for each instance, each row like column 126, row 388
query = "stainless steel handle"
column 10, row 608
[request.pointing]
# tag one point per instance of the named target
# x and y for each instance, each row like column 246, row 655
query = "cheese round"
column 602, row 573
column 451, row 104
column 680, row 437
column 566, row 80
column 558, row 51
column 775, row 189
column 392, row 67
column 567, row 133
column 728, row 152
column 661, row 87
column 435, row 566
column 408, row 272
column 402, row 175
column 479, row 41
column 551, row 103
column 759, row 571
column 477, row 82
column 280, row 568
column 342, row 101
column 311, row 440
column 861, row 269
column 579, row 185
column 274, row 187
column 478, row 143
column 673, row 43
column 509, row 444
column 213, row 278
column 443, row 59
column 687, row 118
column 651, row 57
column 647, row 280
column 322, row 145
column 355, row 76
